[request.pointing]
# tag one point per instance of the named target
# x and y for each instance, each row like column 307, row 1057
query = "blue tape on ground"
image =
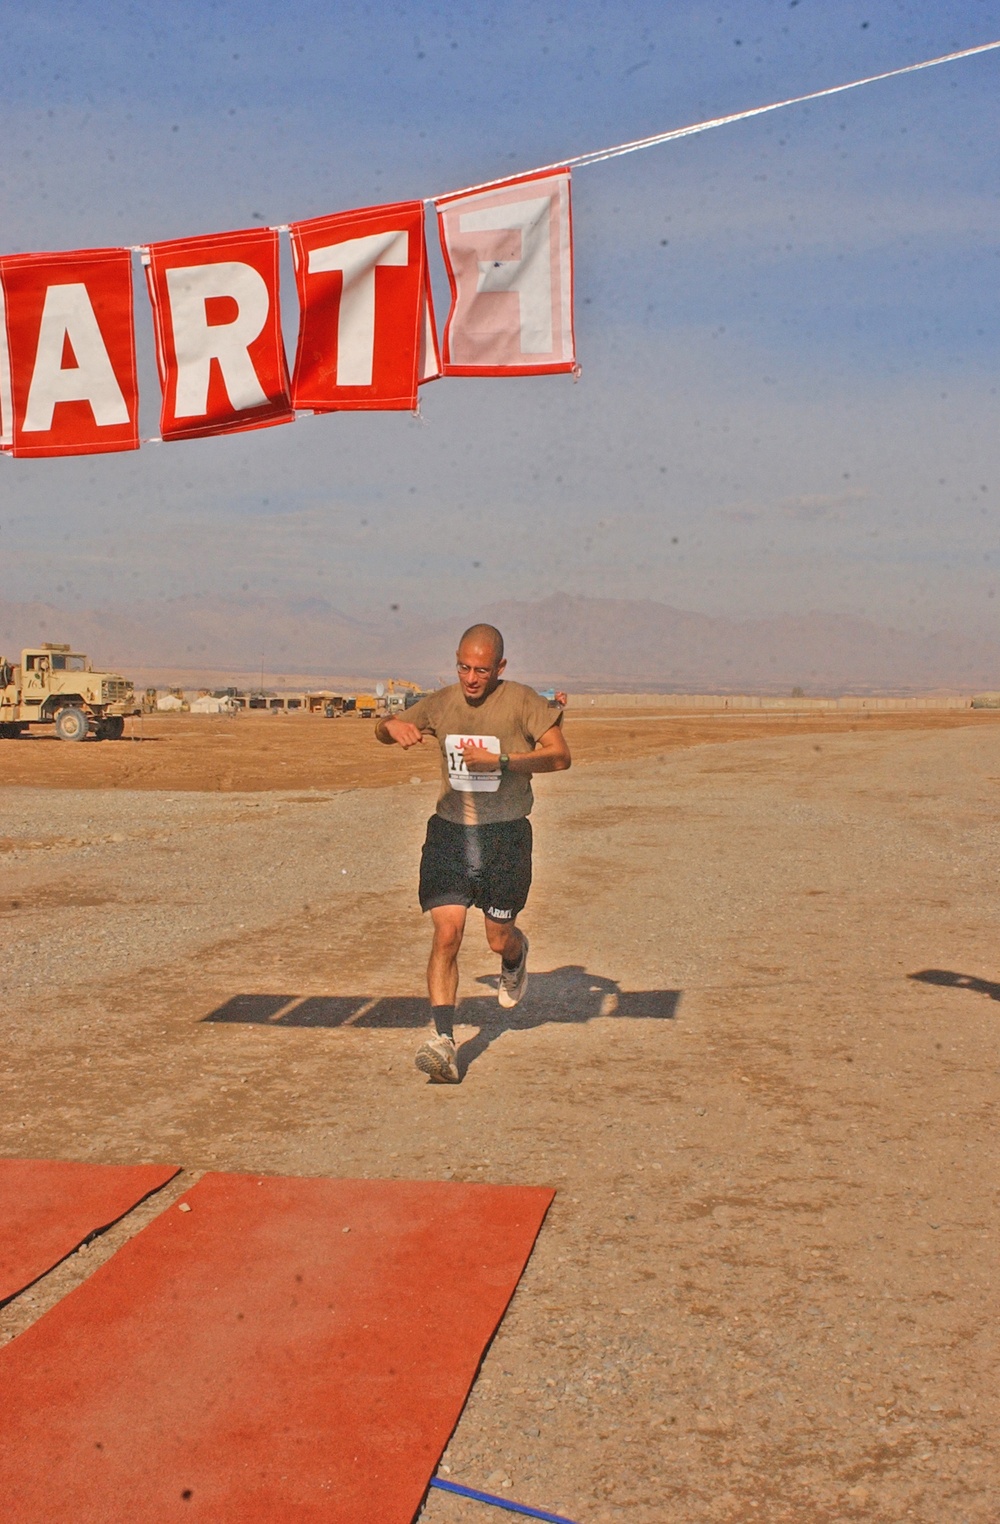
column 489, row 1497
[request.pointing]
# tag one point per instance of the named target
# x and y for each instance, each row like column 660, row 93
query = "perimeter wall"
column 754, row 701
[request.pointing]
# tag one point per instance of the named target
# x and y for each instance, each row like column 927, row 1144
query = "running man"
column 493, row 735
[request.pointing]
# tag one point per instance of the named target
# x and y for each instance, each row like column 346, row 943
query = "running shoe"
column 514, row 981
column 436, row 1057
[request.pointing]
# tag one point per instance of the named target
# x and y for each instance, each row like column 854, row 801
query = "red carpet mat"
column 48, row 1208
column 287, row 1350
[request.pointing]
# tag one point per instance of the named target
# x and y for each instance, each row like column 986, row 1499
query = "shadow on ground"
column 568, row 994
column 952, row 980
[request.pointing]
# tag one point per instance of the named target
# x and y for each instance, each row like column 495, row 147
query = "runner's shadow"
column 565, row 995
column 946, row 977
column 321, row 1011
column 569, row 994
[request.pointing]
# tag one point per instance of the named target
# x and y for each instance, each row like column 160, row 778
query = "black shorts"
column 488, row 866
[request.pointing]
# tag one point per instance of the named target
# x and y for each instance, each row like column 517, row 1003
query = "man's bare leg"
column 510, row 942
column 436, row 1057
column 442, row 967
column 505, row 938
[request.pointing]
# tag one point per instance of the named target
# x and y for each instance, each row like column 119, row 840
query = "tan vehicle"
column 55, row 685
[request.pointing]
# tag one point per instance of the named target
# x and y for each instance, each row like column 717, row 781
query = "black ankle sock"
column 511, row 966
column 444, row 1020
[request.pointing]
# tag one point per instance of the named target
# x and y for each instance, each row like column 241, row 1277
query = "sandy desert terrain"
column 758, row 1059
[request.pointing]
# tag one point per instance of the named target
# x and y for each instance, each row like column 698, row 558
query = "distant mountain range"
column 573, row 641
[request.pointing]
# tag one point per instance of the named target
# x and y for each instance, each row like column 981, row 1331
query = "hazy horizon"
column 566, row 640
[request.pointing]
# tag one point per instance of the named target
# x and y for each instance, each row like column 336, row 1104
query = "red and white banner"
column 218, row 333
column 67, row 353
column 363, row 297
column 429, row 360
column 367, row 336
column 508, row 249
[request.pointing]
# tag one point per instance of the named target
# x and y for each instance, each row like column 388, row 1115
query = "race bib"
column 458, row 774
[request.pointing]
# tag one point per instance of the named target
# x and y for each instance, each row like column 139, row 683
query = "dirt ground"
column 757, row 1058
column 255, row 751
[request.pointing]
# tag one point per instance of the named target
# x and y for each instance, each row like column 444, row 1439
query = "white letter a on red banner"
column 67, row 371
column 68, row 320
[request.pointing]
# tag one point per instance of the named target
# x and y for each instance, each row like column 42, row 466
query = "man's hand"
column 401, row 731
column 478, row 760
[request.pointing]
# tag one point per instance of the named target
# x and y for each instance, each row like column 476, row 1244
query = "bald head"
column 480, row 662
column 484, row 635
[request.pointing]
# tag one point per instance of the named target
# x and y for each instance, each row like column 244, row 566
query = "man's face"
column 478, row 672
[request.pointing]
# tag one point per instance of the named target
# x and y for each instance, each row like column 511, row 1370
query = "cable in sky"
column 599, row 155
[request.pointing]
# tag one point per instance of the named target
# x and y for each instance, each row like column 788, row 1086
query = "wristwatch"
column 504, row 760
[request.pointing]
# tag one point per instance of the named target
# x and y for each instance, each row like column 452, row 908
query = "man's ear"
column 501, row 665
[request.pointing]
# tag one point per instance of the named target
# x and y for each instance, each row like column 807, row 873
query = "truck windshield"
column 69, row 663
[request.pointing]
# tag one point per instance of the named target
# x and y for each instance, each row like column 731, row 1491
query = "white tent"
column 209, row 704
column 169, row 701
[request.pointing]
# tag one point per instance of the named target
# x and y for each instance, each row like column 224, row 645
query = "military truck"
column 55, row 685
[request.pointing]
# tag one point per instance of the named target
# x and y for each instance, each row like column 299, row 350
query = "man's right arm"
column 398, row 733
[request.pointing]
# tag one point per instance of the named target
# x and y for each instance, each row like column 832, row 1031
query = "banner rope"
column 490, row 1497
column 599, row 155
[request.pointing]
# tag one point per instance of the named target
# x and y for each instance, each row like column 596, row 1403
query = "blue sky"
column 788, row 327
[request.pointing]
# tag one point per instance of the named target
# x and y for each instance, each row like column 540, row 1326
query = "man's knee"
column 448, row 933
column 447, row 941
column 499, row 933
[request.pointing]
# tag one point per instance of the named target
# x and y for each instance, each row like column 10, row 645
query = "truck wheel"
column 9, row 732
column 114, row 727
column 72, row 724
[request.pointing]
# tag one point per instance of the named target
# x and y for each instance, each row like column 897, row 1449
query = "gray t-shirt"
column 512, row 719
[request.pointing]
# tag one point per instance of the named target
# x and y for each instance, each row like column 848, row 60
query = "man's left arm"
column 551, row 755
